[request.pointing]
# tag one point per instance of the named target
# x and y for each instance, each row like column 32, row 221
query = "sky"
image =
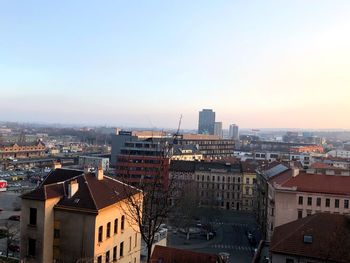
column 259, row 64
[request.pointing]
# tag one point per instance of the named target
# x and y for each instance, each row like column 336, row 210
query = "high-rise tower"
column 206, row 121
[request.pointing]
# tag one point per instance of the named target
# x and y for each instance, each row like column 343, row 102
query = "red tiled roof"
column 320, row 183
column 330, row 238
column 175, row 255
column 92, row 194
column 282, row 177
column 327, row 166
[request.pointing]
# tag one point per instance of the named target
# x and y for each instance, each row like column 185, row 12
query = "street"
column 230, row 237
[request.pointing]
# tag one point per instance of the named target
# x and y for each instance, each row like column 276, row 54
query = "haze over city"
column 264, row 65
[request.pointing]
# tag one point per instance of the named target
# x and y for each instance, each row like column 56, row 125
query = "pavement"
column 231, row 237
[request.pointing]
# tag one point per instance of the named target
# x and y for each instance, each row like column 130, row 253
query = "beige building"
column 215, row 184
column 248, row 186
column 22, row 150
column 294, row 194
column 79, row 216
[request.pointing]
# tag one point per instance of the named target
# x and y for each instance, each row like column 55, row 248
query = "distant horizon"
column 92, row 125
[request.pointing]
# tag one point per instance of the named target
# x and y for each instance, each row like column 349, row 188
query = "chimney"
column 73, row 187
column 99, row 173
column 295, row 172
column 57, row 165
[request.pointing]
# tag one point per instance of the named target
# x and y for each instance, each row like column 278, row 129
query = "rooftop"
column 174, row 255
column 319, row 183
column 92, row 194
column 321, row 236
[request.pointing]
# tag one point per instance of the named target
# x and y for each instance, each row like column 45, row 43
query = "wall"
column 109, row 214
column 77, row 231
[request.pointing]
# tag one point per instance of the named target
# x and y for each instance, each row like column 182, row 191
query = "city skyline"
column 262, row 65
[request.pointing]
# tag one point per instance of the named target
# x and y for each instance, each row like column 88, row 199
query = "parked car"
column 14, row 218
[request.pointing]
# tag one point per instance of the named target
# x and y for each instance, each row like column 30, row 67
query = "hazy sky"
column 143, row 63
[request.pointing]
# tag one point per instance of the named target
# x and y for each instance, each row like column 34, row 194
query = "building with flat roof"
column 218, row 129
column 233, row 132
column 211, row 146
column 206, row 121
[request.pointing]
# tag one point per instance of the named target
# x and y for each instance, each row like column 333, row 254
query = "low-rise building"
column 22, row 150
column 94, row 161
column 79, row 216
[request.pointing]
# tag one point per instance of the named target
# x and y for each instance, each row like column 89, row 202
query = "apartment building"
column 248, row 185
column 216, row 184
column 79, row 216
column 294, row 194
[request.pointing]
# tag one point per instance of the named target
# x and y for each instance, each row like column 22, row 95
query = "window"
column 56, row 233
column 32, row 216
column 336, row 203
column 122, row 223
column 300, row 214
column 309, row 201
column 108, row 232
column 121, row 249
column 289, row 260
column 135, row 239
column 247, row 180
column 115, row 253
column 318, row 201
column 107, row 257
column 99, row 259
column 308, row 213
column 300, row 200
column 130, row 243
column 328, row 202
column 31, row 247
column 100, row 232
column 346, row 204
column 116, row 226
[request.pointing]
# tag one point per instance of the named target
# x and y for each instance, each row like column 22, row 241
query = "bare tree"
column 149, row 210
column 11, row 230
